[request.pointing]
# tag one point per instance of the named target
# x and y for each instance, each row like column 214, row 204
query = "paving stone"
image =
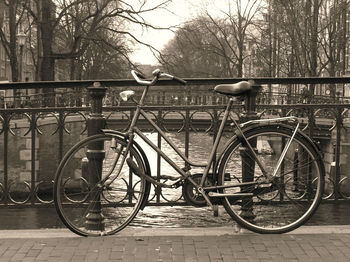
column 181, row 248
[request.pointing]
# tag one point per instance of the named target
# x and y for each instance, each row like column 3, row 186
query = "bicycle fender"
column 144, row 158
column 115, row 132
column 247, row 129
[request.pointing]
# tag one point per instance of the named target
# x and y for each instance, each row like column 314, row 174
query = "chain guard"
column 191, row 194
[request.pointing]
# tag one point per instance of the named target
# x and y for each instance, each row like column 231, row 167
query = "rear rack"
column 269, row 121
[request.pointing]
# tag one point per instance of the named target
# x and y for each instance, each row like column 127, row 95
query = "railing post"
column 95, row 155
column 33, row 154
column 158, row 189
column 96, row 120
column 6, row 130
column 248, row 164
column 339, row 122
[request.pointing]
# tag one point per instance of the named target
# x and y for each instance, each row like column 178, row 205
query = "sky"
column 178, row 12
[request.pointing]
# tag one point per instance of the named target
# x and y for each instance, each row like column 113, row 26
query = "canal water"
column 329, row 213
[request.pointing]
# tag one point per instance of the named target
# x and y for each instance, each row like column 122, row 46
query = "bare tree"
column 241, row 16
column 67, row 27
column 333, row 37
column 9, row 39
column 196, row 52
column 103, row 61
column 222, row 42
column 301, row 24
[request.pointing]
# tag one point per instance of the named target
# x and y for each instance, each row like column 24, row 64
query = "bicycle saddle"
column 236, row 89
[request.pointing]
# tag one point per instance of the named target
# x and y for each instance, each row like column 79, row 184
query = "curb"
column 200, row 231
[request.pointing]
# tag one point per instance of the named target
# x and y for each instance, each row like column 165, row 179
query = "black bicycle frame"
column 185, row 175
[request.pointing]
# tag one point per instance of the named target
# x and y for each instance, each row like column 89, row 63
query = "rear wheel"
column 87, row 202
column 290, row 199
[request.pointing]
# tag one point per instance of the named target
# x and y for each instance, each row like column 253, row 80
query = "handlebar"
column 157, row 74
column 140, row 74
column 177, row 79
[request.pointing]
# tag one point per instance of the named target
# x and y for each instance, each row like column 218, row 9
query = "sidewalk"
column 308, row 243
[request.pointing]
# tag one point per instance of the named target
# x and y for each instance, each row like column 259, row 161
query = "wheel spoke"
column 279, row 204
column 98, row 208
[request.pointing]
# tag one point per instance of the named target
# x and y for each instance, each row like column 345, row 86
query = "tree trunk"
column 13, row 53
column 313, row 38
column 47, row 61
column 314, row 11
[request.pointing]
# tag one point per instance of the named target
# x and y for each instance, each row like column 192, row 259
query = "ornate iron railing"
column 34, row 137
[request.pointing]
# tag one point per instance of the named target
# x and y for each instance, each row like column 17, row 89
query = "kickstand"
column 216, row 210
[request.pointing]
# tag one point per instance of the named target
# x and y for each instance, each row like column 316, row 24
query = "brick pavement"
column 192, row 244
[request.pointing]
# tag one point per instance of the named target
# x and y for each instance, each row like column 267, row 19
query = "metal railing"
column 34, row 138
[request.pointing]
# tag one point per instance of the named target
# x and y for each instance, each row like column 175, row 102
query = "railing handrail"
column 167, row 82
column 172, row 107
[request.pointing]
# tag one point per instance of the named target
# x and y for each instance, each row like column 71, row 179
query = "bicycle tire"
column 91, row 208
column 297, row 201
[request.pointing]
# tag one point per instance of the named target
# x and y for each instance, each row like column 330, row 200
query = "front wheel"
column 95, row 192
column 272, row 206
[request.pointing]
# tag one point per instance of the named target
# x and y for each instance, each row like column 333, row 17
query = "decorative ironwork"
column 176, row 113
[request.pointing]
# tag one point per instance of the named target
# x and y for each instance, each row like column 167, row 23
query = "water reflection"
column 199, row 150
column 181, row 217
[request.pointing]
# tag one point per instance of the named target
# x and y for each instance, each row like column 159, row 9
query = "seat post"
column 250, row 103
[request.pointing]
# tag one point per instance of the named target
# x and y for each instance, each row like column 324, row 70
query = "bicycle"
column 104, row 180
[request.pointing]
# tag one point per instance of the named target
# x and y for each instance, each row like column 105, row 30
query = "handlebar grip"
column 180, row 80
